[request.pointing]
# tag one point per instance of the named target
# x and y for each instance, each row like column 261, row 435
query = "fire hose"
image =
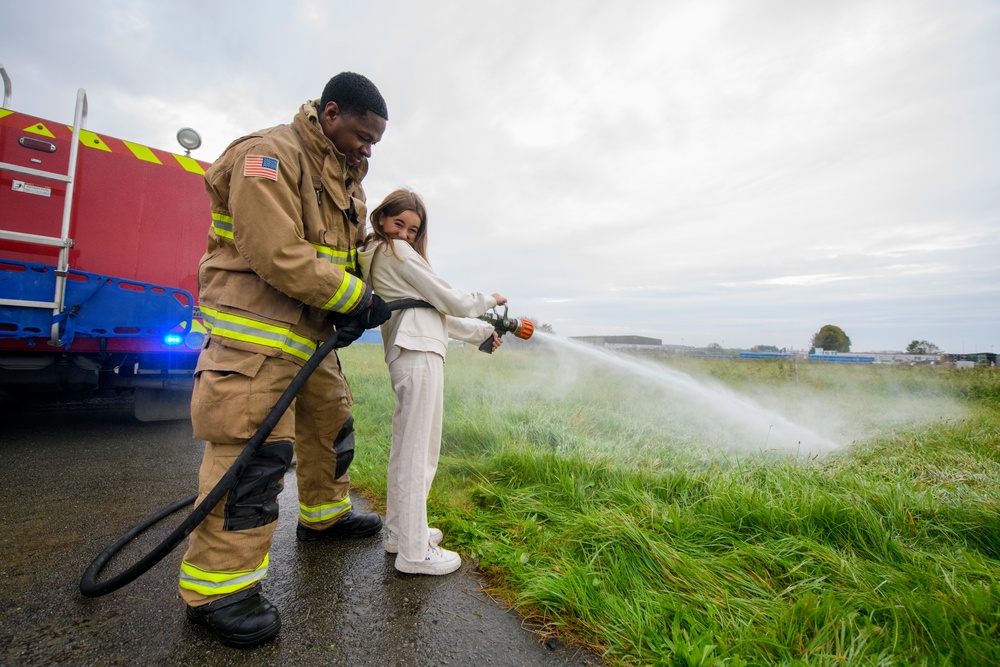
column 90, row 587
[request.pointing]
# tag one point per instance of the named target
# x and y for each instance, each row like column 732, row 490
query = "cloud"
column 699, row 170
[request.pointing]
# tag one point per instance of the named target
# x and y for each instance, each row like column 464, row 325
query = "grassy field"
column 610, row 510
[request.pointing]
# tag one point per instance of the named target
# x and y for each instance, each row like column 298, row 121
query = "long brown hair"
column 397, row 202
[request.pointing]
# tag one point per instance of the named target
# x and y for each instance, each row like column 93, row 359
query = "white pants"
column 418, row 384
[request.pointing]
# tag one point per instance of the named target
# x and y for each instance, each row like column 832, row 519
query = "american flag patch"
column 259, row 165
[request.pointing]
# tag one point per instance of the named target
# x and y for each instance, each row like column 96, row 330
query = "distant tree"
column 547, row 328
column 922, row 347
column 764, row 348
column 714, row 347
column 831, row 337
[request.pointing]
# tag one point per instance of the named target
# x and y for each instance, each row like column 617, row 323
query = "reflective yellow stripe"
column 142, row 152
column 325, row 512
column 108, row 144
column 226, row 325
column 351, row 289
column 348, row 259
column 189, row 164
column 222, row 225
column 91, row 140
column 39, row 128
column 347, row 295
column 208, row 582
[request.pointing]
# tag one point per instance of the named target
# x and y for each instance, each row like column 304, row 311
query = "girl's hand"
column 501, row 299
column 497, row 341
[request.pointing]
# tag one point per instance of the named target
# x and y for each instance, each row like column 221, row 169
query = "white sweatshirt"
column 409, row 276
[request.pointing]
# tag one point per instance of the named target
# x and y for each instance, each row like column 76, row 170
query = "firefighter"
column 288, row 211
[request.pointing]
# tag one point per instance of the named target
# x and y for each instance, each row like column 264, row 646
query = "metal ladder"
column 63, row 242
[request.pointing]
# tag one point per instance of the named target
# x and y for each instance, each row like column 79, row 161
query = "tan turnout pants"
column 233, row 393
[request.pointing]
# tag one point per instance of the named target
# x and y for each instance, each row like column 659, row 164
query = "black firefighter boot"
column 351, row 525
column 242, row 620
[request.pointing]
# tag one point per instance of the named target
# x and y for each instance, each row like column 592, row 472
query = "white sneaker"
column 436, row 561
column 391, row 540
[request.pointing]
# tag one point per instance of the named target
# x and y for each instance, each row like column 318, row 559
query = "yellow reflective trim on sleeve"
column 347, row 259
column 5, row 112
column 142, row 152
column 324, row 512
column 347, row 295
column 222, row 225
column 92, row 140
column 189, row 164
column 209, row 582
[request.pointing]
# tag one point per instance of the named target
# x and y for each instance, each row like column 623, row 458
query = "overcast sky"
column 739, row 173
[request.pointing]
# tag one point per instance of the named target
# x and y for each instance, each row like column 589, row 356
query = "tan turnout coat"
column 281, row 252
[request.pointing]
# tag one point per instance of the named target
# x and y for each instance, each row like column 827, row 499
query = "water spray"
column 726, row 406
column 502, row 324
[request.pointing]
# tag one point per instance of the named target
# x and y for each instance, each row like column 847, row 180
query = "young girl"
column 394, row 262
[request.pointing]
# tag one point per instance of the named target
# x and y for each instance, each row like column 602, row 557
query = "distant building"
column 977, row 358
column 767, row 355
column 832, row 357
column 622, row 342
column 903, row 358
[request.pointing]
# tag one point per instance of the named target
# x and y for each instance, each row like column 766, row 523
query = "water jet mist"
column 748, row 425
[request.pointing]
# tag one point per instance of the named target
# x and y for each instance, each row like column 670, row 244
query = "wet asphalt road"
column 75, row 478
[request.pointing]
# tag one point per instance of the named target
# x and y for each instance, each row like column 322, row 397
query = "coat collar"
column 327, row 159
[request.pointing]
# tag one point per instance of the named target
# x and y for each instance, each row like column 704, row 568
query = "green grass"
column 599, row 508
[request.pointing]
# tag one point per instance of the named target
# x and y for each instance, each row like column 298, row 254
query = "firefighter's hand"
column 374, row 314
column 348, row 333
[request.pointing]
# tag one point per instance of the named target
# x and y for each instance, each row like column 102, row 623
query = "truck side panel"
column 139, row 213
column 139, row 222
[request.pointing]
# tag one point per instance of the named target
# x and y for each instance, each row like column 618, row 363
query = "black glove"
column 374, row 314
column 348, row 333
column 350, row 327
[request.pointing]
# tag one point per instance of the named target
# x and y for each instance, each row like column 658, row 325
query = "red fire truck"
column 99, row 246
